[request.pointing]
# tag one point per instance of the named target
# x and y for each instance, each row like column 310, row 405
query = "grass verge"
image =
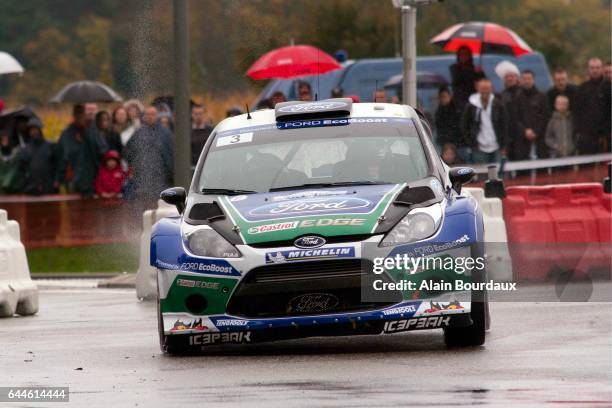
column 91, row 258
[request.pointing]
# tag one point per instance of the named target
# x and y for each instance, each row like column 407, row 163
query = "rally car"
column 291, row 218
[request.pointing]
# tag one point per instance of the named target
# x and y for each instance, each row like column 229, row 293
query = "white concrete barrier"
column 499, row 263
column 146, row 278
column 18, row 294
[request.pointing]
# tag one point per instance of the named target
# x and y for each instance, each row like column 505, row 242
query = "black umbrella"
column 85, row 91
column 8, row 117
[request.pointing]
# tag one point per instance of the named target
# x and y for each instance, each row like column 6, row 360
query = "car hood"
column 285, row 215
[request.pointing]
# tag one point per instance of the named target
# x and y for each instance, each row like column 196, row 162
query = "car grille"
column 307, row 271
column 274, row 290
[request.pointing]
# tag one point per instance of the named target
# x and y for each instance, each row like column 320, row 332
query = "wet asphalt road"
column 103, row 344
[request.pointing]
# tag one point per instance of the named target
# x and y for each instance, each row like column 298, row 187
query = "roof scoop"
column 328, row 108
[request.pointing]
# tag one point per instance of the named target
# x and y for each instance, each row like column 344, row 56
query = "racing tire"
column 473, row 335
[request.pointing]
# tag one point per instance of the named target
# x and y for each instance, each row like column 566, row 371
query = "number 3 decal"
column 235, row 139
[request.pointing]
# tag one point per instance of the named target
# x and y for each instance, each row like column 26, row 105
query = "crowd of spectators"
column 129, row 152
column 125, row 153
column 474, row 125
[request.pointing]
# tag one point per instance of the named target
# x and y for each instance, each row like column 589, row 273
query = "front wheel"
column 166, row 344
column 473, row 335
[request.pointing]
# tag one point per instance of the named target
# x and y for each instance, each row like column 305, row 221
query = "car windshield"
column 304, row 153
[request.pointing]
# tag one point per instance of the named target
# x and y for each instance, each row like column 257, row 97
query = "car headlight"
column 419, row 224
column 208, row 242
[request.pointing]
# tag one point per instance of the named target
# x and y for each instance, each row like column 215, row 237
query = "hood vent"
column 206, row 211
column 414, row 195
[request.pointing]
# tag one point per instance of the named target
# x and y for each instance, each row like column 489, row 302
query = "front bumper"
column 219, row 323
column 205, row 330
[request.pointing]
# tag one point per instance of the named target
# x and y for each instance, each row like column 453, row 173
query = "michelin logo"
column 309, row 254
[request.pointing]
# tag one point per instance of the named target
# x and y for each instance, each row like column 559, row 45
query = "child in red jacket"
column 111, row 177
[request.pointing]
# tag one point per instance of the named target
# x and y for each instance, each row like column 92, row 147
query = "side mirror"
column 459, row 176
column 175, row 196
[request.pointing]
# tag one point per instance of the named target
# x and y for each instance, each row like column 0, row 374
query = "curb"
column 125, row 280
column 85, row 275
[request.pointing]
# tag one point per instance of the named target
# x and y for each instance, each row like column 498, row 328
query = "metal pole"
column 182, row 127
column 411, row 52
column 405, row 56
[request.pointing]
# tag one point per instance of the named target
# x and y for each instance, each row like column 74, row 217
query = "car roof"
column 359, row 110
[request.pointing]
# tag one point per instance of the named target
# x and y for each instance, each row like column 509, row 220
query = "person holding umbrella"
column 476, row 38
column 80, row 151
column 294, row 61
column 464, row 76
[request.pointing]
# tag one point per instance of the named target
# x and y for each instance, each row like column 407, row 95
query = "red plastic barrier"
column 558, row 228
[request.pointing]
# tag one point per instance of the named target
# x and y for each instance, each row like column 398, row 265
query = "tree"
column 129, row 43
column 93, row 48
column 51, row 65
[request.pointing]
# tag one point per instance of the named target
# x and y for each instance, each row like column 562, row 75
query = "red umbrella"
column 292, row 61
column 482, row 38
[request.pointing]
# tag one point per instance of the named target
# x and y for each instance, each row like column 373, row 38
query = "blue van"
column 360, row 77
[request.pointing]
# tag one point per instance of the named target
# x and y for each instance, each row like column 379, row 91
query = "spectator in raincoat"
column 40, row 162
column 111, row 176
column 149, row 153
column 80, row 148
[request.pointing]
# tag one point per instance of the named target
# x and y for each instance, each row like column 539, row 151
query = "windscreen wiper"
column 226, row 191
column 334, row 184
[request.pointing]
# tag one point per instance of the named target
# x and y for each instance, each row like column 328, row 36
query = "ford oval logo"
column 313, row 303
column 309, row 241
column 313, row 205
column 312, row 107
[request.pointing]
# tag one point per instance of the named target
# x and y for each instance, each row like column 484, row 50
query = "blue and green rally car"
column 291, row 215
